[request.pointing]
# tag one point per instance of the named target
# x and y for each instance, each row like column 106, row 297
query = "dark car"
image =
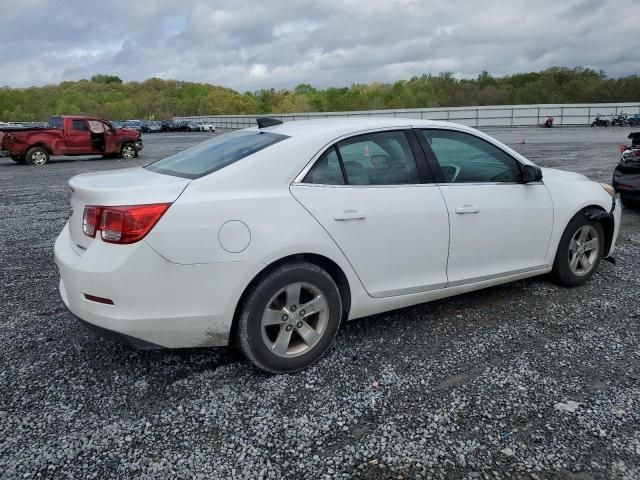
column 178, row 126
column 626, row 176
column 151, row 127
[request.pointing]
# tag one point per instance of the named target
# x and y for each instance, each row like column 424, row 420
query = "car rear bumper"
column 139, row 145
column 156, row 303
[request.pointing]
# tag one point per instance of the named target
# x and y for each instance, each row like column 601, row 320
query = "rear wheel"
column 18, row 159
column 290, row 318
column 128, row 151
column 630, row 203
column 37, row 156
column 579, row 252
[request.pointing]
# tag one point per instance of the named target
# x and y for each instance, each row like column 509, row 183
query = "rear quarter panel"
column 52, row 140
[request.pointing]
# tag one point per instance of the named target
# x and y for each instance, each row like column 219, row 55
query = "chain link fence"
column 492, row 116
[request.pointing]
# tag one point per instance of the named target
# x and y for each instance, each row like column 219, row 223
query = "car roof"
column 336, row 127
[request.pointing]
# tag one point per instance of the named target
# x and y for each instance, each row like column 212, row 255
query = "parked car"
column 133, row 125
column 69, row 135
column 178, row 126
column 151, row 127
column 193, row 126
column 274, row 236
column 207, row 126
column 626, row 176
column 165, row 125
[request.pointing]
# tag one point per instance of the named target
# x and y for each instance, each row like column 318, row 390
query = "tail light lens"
column 125, row 224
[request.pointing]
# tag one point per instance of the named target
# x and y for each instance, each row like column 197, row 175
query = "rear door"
column 373, row 194
column 77, row 136
column 499, row 225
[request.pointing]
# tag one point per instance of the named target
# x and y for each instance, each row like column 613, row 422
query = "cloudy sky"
column 248, row 45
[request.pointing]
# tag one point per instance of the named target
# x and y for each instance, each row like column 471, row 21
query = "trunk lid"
column 130, row 186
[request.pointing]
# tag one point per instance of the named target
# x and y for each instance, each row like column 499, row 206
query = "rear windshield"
column 55, row 122
column 214, row 154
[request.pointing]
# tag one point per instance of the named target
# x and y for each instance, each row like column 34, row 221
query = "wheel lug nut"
column 293, row 308
column 285, row 317
column 302, row 312
column 289, row 328
column 299, row 325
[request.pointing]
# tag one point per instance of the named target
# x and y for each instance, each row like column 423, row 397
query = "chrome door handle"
column 467, row 209
column 348, row 215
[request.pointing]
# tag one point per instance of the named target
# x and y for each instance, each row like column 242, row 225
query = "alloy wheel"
column 294, row 320
column 39, row 158
column 128, row 152
column 583, row 250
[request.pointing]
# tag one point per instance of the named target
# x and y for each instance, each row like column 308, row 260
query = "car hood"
column 553, row 175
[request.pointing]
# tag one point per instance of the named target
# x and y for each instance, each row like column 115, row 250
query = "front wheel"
column 579, row 252
column 37, row 156
column 128, row 151
column 290, row 318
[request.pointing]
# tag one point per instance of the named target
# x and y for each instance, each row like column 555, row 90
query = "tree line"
column 109, row 97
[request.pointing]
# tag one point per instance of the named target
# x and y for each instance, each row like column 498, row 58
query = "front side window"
column 214, row 154
column 381, row 158
column 79, row 125
column 465, row 158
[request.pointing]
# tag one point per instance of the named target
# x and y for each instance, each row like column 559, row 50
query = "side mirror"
column 531, row 174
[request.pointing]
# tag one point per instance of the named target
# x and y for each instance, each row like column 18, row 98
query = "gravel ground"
column 526, row 380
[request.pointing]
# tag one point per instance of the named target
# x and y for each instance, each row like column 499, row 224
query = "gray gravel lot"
column 526, row 380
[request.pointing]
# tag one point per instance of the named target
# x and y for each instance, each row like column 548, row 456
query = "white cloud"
column 250, row 45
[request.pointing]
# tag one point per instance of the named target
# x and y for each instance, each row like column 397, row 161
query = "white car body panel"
column 497, row 229
column 408, row 223
column 180, row 285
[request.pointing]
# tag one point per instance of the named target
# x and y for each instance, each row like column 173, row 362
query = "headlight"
column 609, row 189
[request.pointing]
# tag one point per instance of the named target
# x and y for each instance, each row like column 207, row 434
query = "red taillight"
column 126, row 224
column 623, row 148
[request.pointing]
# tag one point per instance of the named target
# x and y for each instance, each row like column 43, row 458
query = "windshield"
column 214, row 154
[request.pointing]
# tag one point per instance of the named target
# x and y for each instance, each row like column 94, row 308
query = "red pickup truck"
column 69, row 135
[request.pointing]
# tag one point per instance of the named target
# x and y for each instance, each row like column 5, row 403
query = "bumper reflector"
column 93, row 298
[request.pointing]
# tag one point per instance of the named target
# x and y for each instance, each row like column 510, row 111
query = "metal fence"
column 493, row 116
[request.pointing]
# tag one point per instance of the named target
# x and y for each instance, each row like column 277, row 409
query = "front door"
column 499, row 225
column 78, row 137
column 369, row 195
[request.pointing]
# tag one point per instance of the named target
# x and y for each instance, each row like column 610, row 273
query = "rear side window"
column 214, row 154
column 327, row 170
column 381, row 158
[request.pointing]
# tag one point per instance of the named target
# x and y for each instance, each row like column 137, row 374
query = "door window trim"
column 425, row 175
column 435, row 166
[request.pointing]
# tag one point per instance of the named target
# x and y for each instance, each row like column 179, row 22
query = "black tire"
column 249, row 332
column 37, row 156
column 18, row 159
column 593, row 124
column 128, row 151
column 633, row 204
column 562, row 271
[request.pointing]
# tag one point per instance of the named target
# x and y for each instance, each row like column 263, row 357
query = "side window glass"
column 80, row 125
column 465, row 158
column 382, row 158
column 327, row 170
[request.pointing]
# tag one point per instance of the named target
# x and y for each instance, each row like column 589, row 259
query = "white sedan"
column 274, row 235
